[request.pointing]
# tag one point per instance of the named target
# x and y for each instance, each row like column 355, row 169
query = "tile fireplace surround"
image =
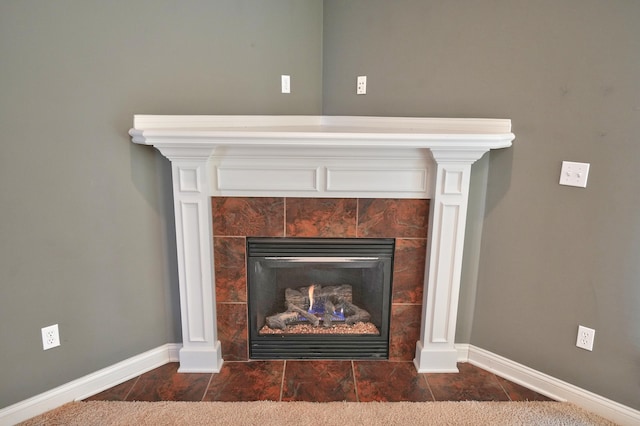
column 340, row 159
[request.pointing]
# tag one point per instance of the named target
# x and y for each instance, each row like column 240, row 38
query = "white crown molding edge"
column 90, row 384
column 254, row 122
column 166, row 132
column 547, row 385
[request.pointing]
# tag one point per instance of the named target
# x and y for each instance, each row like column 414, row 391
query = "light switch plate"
column 574, row 174
column 285, row 83
column 361, row 88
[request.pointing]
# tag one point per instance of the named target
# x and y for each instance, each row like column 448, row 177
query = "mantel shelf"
column 323, row 131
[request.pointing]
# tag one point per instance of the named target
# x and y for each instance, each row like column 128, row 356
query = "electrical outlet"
column 574, row 174
column 361, row 88
column 285, row 81
column 50, row 337
column 585, row 338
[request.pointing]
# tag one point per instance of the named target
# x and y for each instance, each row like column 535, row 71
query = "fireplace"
column 326, row 298
column 236, row 220
column 320, row 157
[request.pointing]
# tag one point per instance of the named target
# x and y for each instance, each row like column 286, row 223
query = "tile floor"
column 318, row 381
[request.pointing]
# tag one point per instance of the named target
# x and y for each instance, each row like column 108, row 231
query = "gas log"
column 316, row 303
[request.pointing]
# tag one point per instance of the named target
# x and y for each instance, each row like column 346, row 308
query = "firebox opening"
column 319, row 298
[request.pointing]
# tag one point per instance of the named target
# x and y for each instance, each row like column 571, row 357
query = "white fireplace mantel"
column 320, row 156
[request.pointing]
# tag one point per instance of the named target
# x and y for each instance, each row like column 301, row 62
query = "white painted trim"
column 463, row 352
column 201, row 349
column 174, row 351
column 247, row 171
column 323, row 124
column 90, row 384
column 552, row 387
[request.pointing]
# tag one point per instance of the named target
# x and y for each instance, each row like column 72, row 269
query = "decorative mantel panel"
column 320, row 156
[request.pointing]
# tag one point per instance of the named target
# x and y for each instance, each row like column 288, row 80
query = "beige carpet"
column 264, row 413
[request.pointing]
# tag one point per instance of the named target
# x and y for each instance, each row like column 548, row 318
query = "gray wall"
column 568, row 74
column 85, row 215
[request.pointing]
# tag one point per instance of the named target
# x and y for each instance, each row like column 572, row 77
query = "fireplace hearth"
column 320, row 298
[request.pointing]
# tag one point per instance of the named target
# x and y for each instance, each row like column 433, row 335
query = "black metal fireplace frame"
column 333, row 346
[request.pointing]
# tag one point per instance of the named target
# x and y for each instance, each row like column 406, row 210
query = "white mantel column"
column 201, row 351
column 435, row 351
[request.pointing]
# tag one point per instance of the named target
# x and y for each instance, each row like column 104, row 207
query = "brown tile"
column 321, row 217
column 390, row 382
column 517, row 392
column 318, row 381
column 230, row 269
column 470, row 384
column 393, row 218
column 408, row 270
column 247, row 381
column 248, row 216
column 233, row 331
column 404, row 331
column 116, row 393
column 166, row 384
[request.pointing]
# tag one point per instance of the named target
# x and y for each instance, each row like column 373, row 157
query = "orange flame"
column 311, row 297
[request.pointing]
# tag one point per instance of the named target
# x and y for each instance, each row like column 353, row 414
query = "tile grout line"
column 284, row 216
column 502, row 387
column 424, row 376
column 355, row 382
column 206, row 389
column 357, row 216
column 284, row 369
column 131, row 388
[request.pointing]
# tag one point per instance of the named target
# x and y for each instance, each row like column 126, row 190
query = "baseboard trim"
column 549, row 386
column 90, row 384
column 463, row 352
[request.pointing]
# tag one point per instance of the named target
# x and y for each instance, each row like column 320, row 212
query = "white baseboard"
column 90, row 384
column 463, row 352
column 549, row 386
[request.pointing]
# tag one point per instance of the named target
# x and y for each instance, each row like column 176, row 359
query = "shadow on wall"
column 499, row 180
column 151, row 175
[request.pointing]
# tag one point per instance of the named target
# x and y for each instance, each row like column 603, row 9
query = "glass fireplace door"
column 319, row 298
